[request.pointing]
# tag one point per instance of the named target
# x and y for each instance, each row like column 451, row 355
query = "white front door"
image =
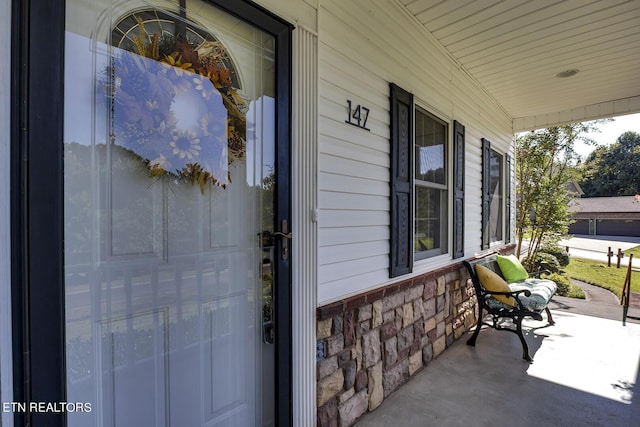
column 169, row 216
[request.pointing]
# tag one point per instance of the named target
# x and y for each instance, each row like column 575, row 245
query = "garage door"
column 581, row 226
column 618, row 227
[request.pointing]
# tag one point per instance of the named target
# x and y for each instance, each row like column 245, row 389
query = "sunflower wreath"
column 174, row 106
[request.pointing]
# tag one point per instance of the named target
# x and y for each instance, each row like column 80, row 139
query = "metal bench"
column 522, row 293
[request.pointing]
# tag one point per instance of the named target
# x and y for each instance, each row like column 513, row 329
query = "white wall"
column 364, row 45
column 6, row 376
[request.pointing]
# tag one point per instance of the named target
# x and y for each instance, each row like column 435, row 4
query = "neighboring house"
column 574, row 189
column 264, row 224
column 606, row 216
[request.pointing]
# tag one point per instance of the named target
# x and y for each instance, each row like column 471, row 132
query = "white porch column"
column 304, row 218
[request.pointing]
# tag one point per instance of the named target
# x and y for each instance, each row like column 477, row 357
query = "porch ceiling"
column 515, row 49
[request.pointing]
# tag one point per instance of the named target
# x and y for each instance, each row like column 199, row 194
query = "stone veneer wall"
column 370, row 344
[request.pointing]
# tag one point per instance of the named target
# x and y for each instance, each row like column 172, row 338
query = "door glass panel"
column 169, row 201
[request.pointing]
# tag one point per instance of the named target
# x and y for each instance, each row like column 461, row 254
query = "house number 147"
column 357, row 115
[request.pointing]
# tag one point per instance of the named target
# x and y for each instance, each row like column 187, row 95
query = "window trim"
column 501, row 196
column 507, row 197
column 487, row 151
column 447, row 234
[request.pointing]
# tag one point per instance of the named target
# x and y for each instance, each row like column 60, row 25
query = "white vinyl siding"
column 363, row 46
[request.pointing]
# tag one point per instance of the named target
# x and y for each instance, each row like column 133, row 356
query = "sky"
column 609, row 132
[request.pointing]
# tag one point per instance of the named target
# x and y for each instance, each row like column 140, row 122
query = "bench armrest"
column 512, row 294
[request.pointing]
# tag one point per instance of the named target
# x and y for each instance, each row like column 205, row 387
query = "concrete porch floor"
column 583, row 374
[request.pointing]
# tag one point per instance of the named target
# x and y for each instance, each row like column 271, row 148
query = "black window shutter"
column 507, row 175
column 458, row 189
column 401, row 239
column 486, row 191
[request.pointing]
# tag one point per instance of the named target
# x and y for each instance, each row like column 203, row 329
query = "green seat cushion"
column 511, row 268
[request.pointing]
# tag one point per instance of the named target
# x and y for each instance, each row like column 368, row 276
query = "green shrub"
column 561, row 281
column 565, row 288
column 543, row 261
column 560, row 253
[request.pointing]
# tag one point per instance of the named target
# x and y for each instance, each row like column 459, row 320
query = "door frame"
column 37, row 202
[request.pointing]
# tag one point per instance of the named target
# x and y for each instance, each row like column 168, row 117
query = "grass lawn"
column 597, row 273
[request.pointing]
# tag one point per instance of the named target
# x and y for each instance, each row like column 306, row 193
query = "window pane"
column 430, row 155
column 430, row 236
column 495, row 209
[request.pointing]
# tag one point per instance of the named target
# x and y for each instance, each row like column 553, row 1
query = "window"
column 493, row 195
column 430, row 233
column 420, row 187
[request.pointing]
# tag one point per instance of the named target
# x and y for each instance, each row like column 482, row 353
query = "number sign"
column 357, row 115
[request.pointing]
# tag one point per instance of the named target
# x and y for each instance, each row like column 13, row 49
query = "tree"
column 545, row 164
column 614, row 170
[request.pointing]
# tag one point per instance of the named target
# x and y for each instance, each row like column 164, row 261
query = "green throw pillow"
column 511, row 268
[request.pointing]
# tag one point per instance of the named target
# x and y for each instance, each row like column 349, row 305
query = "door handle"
column 286, row 236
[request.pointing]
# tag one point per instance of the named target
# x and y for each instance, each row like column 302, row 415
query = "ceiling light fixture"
column 568, row 73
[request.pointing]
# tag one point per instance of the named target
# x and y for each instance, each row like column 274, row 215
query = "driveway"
column 596, row 247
